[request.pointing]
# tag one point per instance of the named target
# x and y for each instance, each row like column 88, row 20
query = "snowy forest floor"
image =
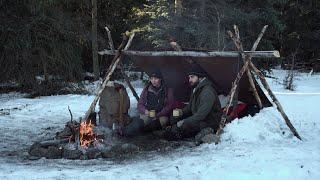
column 252, row 147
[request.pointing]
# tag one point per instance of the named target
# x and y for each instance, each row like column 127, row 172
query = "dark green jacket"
column 204, row 105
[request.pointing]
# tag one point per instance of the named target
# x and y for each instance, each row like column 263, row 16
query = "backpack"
column 114, row 104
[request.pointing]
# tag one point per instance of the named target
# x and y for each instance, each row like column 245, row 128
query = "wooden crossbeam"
column 255, row 54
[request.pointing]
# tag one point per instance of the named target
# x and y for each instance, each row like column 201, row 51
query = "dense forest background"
column 52, row 38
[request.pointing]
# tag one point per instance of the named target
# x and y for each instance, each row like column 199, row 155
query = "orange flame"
column 87, row 136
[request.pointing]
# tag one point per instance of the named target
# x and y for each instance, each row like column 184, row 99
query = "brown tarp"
column 222, row 72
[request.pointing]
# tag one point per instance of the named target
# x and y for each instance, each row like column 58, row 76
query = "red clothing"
column 168, row 106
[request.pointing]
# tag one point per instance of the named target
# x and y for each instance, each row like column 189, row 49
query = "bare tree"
column 178, row 7
column 219, row 16
column 95, row 61
column 288, row 81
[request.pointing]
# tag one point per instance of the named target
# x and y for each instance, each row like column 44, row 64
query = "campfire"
column 81, row 133
column 85, row 140
column 78, row 140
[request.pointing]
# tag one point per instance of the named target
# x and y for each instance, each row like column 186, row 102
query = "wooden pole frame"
column 238, row 44
column 110, row 71
column 247, row 59
column 120, row 65
column 248, row 66
column 112, row 67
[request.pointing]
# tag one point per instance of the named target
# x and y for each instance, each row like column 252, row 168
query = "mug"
column 176, row 113
column 152, row 113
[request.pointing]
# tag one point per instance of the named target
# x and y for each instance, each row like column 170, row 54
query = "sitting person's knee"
column 163, row 121
column 145, row 118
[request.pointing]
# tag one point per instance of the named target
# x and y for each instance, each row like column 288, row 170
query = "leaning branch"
column 127, row 79
column 110, row 71
column 232, row 93
column 110, row 39
column 275, row 100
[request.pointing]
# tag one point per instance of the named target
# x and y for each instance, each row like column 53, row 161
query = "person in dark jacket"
column 156, row 97
column 203, row 109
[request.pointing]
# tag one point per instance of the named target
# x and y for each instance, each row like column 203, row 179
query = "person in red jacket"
column 155, row 98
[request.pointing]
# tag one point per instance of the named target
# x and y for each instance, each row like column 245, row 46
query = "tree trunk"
column 218, row 18
column 44, row 64
column 178, row 7
column 95, row 61
column 202, row 8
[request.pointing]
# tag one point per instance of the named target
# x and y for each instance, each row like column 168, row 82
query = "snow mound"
column 265, row 126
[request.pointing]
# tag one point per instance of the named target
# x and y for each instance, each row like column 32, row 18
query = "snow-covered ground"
column 259, row 147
